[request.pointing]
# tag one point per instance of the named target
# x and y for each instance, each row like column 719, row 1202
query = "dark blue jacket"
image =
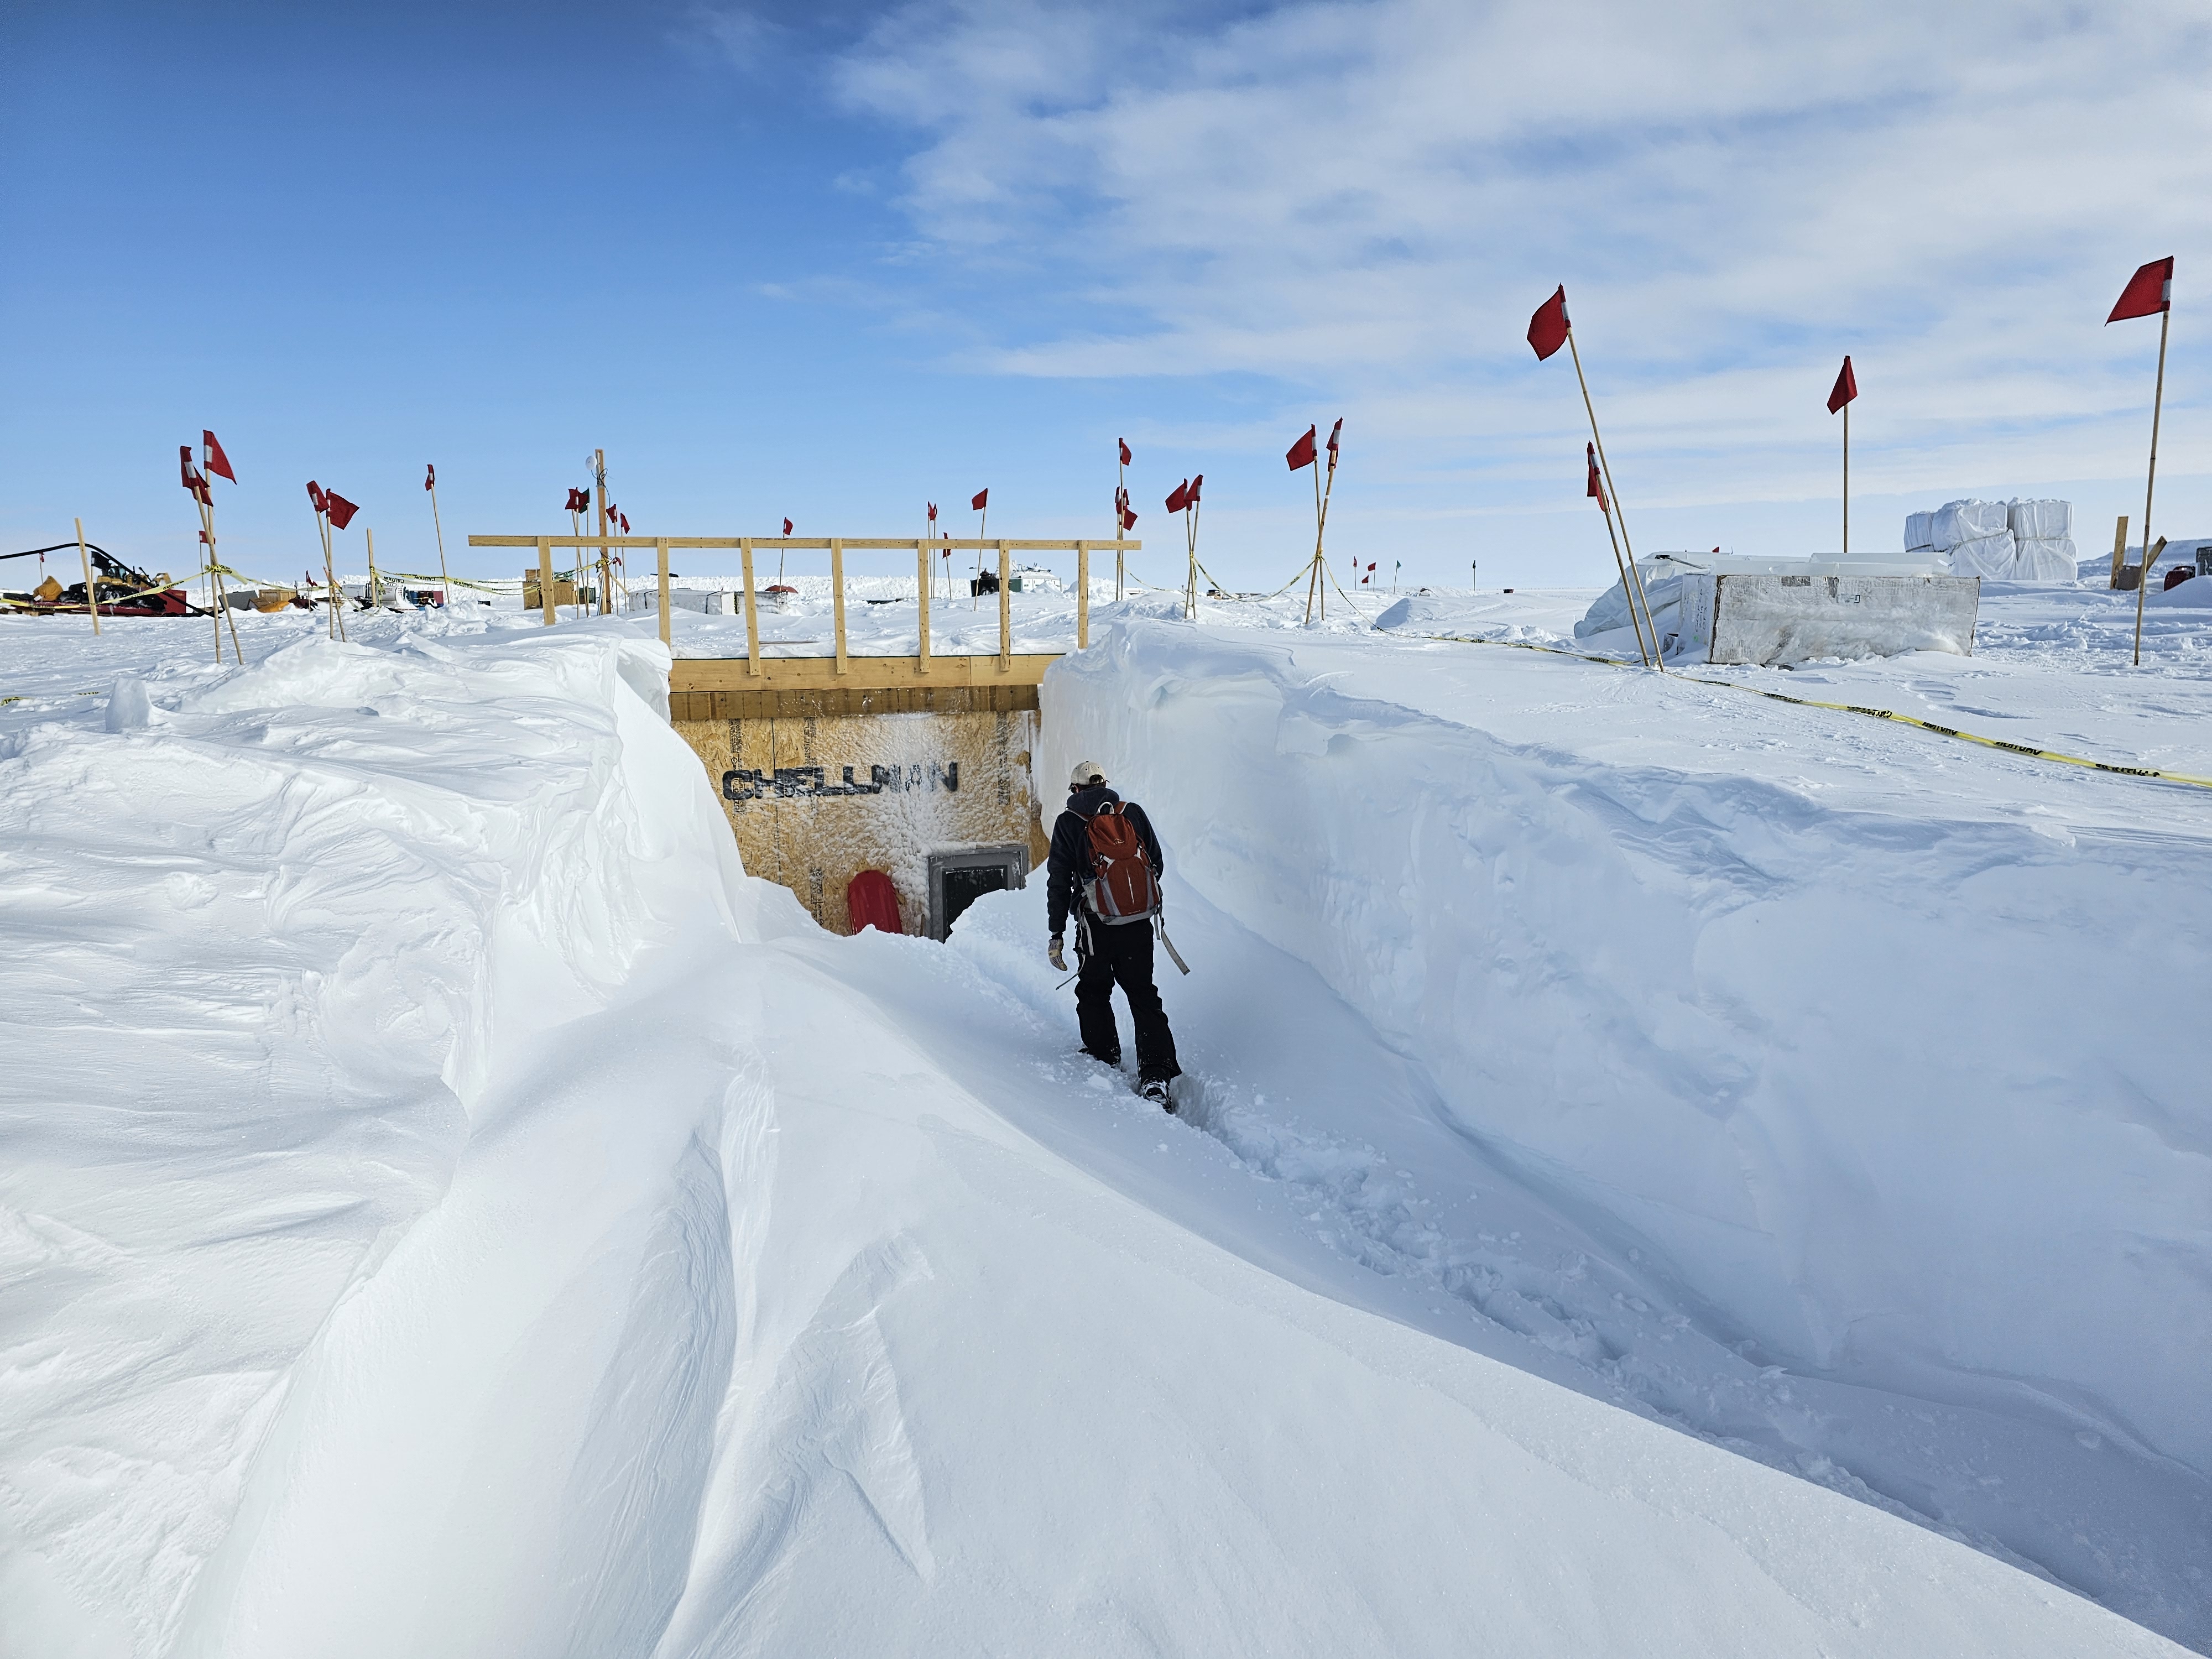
column 1069, row 865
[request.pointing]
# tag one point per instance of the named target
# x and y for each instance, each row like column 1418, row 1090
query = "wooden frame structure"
column 841, row 669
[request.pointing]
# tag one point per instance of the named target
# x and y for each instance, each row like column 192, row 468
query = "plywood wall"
column 817, row 792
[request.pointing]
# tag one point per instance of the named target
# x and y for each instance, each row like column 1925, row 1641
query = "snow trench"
column 1847, row 1144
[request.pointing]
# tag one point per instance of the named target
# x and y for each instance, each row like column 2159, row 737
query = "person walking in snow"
column 1105, row 869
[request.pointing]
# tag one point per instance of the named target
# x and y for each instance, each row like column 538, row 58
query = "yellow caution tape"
column 2027, row 750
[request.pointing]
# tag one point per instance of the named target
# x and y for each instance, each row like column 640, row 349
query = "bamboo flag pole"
column 1121, row 509
column 215, row 583
column 2157, row 402
column 431, row 484
column 91, row 593
column 1636, row 577
column 982, row 534
column 606, row 582
column 2150, row 290
column 1312, row 572
column 330, row 578
column 1604, row 506
column 1841, row 398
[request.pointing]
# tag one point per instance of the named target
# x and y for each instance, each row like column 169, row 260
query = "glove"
column 1053, row 954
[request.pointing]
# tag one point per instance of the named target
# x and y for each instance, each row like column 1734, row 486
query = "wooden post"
column 2119, row 547
column 545, row 577
column 752, row 611
column 375, row 592
column 2157, row 403
column 922, row 593
column 1119, row 571
column 1005, row 609
column 660, row 550
column 91, row 593
column 1082, row 596
column 837, row 598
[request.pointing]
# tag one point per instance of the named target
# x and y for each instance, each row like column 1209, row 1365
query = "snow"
column 447, row 1208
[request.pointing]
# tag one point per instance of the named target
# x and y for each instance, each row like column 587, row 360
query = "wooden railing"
column 923, row 548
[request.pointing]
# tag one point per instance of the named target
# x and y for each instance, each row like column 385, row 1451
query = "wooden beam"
column 661, row 549
column 752, row 616
column 863, row 673
column 545, row 577
column 837, row 599
column 812, row 702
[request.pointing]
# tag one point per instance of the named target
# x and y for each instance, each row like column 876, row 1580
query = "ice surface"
column 447, row 1208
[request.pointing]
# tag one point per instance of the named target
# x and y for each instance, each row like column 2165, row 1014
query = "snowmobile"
column 123, row 589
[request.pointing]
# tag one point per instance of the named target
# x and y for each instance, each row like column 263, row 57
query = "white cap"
column 1086, row 772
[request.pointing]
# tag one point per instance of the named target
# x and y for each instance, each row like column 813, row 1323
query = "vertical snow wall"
column 1808, row 1059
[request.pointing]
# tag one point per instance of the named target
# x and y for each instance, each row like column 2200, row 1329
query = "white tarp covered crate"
column 2040, row 522
column 1788, row 620
column 1985, row 555
column 1957, row 522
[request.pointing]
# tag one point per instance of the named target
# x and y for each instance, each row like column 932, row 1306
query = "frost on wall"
column 817, row 798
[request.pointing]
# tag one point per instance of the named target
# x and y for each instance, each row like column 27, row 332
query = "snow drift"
column 450, row 1210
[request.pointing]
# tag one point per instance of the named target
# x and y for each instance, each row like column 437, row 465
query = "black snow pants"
column 1122, row 956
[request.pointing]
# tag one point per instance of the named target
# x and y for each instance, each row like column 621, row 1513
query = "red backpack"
column 1122, row 887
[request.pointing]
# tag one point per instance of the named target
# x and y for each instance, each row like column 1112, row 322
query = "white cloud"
column 1367, row 200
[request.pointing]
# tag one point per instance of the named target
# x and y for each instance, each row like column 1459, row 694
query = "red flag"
column 340, row 509
column 1301, row 453
column 932, row 512
column 1195, row 483
column 625, row 524
column 429, row 477
column 1180, row 498
column 787, row 526
column 1597, row 488
column 1547, row 329
column 315, row 494
column 1126, row 456
column 1334, row 433
column 981, row 497
column 1128, row 518
column 217, row 462
column 2148, row 292
column 192, row 481
column 1847, row 388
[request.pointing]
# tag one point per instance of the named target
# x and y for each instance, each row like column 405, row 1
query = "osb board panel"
column 910, row 700
column 817, row 798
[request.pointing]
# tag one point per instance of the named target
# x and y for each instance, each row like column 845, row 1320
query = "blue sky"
column 835, row 262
